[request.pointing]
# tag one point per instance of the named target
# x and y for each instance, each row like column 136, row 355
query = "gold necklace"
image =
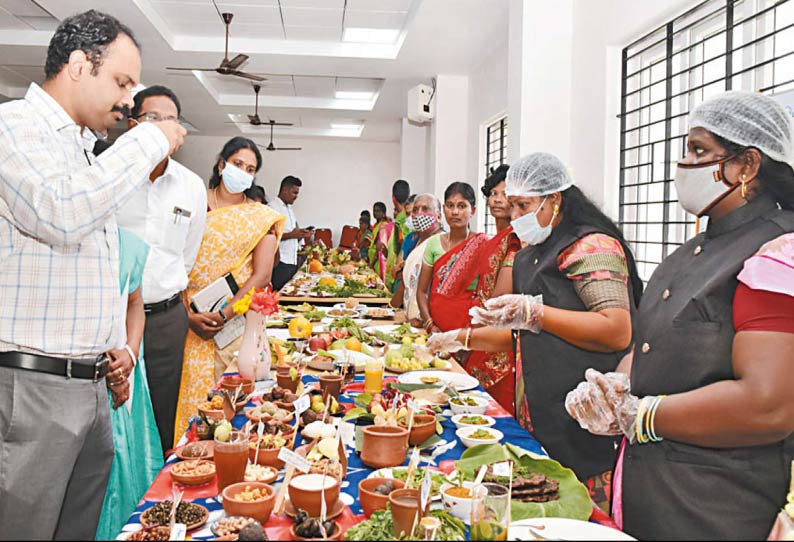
column 215, row 197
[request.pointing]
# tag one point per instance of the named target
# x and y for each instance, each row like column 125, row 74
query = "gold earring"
column 744, row 189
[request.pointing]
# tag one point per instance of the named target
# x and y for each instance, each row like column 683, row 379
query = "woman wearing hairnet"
column 572, row 307
column 709, row 414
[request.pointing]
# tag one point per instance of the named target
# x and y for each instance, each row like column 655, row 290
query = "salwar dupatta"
column 230, row 237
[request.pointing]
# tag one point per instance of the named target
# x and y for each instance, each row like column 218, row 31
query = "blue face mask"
column 529, row 230
column 235, row 179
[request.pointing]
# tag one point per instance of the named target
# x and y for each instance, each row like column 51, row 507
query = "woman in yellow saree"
column 241, row 238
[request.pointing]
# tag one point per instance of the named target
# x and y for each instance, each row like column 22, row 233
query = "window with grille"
column 495, row 156
column 716, row 46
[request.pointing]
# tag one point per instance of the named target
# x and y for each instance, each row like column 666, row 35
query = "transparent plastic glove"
column 588, row 405
column 511, row 311
column 445, row 342
column 616, row 390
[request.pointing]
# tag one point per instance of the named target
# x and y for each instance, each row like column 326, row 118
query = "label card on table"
column 414, row 458
column 302, row 405
column 178, row 532
column 424, row 493
column 347, row 433
column 413, row 406
column 294, row 460
column 501, row 469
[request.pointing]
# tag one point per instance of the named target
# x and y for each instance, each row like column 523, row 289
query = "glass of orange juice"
column 373, row 376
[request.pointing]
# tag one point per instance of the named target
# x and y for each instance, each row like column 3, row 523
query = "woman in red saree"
column 462, row 269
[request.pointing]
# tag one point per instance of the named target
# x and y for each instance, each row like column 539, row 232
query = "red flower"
column 265, row 301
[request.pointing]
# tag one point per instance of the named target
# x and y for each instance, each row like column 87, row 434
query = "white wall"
column 487, row 102
column 600, row 31
column 340, row 177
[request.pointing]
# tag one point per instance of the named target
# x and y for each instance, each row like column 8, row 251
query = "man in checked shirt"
column 59, row 286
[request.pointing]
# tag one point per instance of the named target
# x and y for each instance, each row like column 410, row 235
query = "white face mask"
column 702, row 186
column 235, row 179
column 529, row 230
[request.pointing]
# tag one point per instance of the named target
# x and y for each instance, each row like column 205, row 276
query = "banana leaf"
column 574, row 501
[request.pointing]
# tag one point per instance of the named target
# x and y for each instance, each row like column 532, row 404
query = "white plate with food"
column 388, row 328
column 376, row 312
column 562, row 529
column 461, row 382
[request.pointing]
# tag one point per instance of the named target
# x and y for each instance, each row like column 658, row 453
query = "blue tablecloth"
column 356, row 470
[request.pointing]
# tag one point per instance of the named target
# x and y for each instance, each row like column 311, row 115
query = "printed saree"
column 477, row 259
column 230, row 236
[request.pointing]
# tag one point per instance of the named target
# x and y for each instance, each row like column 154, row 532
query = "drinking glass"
column 373, row 376
column 490, row 505
column 231, row 458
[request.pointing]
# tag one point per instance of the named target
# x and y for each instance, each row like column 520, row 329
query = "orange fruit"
column 315, row 266
column 327, row 281
column 353, row 344
column 300, row 328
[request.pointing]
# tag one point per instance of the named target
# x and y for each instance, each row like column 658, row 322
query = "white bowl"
column 460, row 507
column 482, row 406
column 456, row 419
column 464, row 432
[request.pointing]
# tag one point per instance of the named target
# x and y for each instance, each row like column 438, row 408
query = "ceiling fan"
column 254, row 119
column 270, row 146
column 227, row 67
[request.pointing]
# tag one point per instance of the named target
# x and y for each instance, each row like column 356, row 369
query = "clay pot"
column 285, row 381
column 371, row 502
column 268, row 457
column 231, row 382
column 336, row 536
column 384, row 446
column 405, row 508
column 308, row 498
column 259, row 510
column 331, row 384
column 423, row 428
column 304, row 450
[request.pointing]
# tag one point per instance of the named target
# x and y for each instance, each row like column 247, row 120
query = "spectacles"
column 151, row 116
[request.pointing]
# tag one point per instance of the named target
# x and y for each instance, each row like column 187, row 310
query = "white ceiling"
column 298, row 45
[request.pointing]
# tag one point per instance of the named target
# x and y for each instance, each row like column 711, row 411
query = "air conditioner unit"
column 421, row 108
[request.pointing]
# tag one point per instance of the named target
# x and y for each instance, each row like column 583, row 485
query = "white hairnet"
column 748, row 119
column 537, row 174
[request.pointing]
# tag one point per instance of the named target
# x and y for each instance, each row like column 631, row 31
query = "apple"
column 317, row 343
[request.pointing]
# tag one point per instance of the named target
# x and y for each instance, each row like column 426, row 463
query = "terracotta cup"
column 423, row 428
column 371, row 501
column 384, row 446
column 284, row 380
column 331, row 384
column 405, row 509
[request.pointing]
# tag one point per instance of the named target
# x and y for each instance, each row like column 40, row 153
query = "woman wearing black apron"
column 710, row 411
column 579, row 276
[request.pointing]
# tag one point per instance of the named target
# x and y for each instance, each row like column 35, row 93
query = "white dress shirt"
column 169, row 214
column 288, row 249
column 59, row 278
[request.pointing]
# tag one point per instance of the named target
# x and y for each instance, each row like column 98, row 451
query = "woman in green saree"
column 138, row 453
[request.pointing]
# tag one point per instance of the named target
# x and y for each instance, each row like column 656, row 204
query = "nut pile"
column 231, row 525
column 187, row 513
column 252, row 495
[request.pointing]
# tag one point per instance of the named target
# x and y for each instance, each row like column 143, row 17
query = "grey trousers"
column 56, row 449
column 164, row 348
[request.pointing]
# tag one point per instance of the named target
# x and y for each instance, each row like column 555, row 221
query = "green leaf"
column 408, row 388
column 430, row 442
column 363, row 400
column 354, row 413
column 439, row 427
column 574, row 501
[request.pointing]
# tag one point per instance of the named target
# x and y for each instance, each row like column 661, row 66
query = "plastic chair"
column 323, row 235
column 348, row 238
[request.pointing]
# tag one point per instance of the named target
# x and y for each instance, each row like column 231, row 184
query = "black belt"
column 161, row 306
column 86, row 369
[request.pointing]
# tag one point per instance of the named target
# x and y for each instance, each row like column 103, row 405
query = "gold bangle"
column 468, row 337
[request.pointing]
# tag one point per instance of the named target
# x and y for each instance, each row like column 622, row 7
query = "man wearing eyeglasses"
column 169, row 213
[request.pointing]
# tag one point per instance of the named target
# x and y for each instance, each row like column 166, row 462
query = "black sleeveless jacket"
column 552, row 367
column 683, row 340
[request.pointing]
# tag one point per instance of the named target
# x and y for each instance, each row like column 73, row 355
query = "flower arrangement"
column 264, row 301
